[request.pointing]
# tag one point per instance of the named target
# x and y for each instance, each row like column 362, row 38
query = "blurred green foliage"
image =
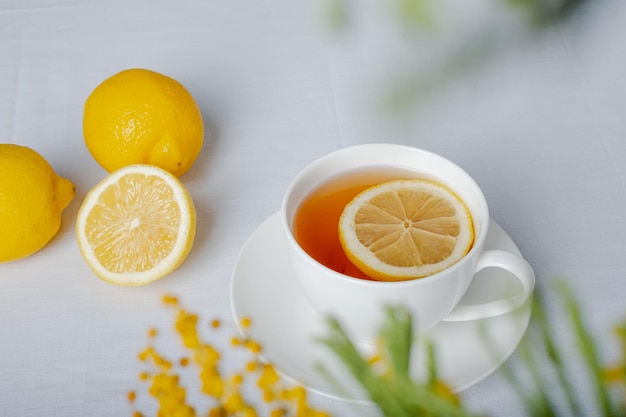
column 543, row 378
column 539, row 13
column 417, row 20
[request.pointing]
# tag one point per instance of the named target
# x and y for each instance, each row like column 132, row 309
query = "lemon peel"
column 32, row 199
column 139, row 116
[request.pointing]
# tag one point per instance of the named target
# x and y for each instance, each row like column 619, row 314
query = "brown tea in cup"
column 315, row 224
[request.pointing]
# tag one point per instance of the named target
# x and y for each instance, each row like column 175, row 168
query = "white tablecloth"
column 537, row 119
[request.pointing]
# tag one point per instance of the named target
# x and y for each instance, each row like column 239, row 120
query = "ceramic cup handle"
column 509, row 262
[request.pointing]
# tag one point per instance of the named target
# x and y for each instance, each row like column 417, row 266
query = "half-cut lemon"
column 136, row 226
column 405, row 229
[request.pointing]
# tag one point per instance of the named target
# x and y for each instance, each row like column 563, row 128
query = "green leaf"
column 589, row 352
column 555, row 357
column 394, row 394
column 396, row 337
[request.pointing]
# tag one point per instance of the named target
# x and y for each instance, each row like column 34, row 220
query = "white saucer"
column 263, row 288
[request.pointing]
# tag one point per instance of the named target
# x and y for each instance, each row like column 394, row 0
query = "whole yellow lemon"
column 139, row 116
column 32, row 198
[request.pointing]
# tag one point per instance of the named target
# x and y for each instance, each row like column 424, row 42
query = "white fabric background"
column 539, row 124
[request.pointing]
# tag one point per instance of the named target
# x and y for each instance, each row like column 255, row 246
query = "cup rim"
column 477, row 244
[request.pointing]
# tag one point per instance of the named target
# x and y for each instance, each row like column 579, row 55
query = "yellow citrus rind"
column 32, row 199
column 139, row 116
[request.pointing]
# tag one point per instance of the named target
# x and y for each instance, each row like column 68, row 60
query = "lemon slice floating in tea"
column 405, row 229
column 136, row 226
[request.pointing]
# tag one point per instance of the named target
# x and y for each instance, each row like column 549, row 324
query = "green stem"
column 540, row 402
column 589, row 352
column 555, row 358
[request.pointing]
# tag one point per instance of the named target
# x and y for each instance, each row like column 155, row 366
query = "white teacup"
column 359, row 304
